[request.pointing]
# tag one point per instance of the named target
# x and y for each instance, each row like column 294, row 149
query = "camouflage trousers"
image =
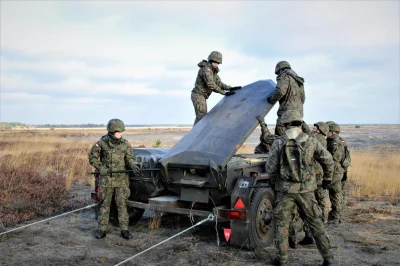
column 335, row 196
column 321, row 195
column 279, row 128
column 200, row 106
column 261, row 149
column 309, row 211
column 121, row 196
column 344, row 198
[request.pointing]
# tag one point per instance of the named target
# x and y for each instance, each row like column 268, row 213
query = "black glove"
column 103, row 171
column 260, row 119
column 344, row 178
column 325, row 184
column 136, row 169
column 229, row 93
column 269, row 99
column 235, row 88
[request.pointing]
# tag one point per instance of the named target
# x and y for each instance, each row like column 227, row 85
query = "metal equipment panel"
column 215, row 139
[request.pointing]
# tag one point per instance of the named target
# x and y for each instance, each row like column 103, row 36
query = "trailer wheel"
column 262, row 224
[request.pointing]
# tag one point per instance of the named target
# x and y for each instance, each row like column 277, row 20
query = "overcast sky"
column 75, row 62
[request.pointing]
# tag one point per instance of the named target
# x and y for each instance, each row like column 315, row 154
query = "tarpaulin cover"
column 215, row 139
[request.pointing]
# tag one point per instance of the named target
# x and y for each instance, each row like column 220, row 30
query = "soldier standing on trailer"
column 208, row 81
column 289, row 92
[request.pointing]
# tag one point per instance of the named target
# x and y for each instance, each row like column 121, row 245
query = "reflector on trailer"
column 239, row 204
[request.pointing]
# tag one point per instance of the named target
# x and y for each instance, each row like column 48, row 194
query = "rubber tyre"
column 262, row 222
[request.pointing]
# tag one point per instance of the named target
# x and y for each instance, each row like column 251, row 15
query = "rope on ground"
column 18, row 228
column 209, row 218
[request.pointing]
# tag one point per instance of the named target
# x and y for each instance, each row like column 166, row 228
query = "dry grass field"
column 37, row 167
column 46, row 172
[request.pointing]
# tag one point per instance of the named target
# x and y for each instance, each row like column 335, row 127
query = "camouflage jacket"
column 336, row 148
column 208, row 81
column 289, row 92
column 312, row 150
column 319, row 172
column 113, row 157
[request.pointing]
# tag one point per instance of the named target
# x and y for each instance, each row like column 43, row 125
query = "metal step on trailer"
column 170, row 204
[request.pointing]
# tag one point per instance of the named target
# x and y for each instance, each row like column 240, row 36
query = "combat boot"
column 277, row 262
column 328, row 263
column 292, row 242
column 125, row 234
column 307, row 240
column 100, row 234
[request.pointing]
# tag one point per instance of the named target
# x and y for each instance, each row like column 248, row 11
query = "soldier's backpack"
column 346, row 161
column 293, row 158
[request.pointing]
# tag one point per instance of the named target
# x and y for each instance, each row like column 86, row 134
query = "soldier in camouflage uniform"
column 336, row 148
column 113, row 153
column 208, row 81
column 344, row 178
column 290, row 167
column 320, row 131
column 289, row 92
column 266, row 138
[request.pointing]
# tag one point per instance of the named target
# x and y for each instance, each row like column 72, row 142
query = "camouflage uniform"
column 289, row 92
column 207, row 81
column 298, row 190
column 344, row 179
column 336, row 148
column 320, row 194
column 112, row 154
column 266, row 140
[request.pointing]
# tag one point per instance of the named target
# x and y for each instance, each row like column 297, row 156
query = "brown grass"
column 37, row 167
column 375, row 175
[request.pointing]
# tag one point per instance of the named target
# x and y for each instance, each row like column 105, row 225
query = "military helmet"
column 115, row 125
column 330, row 122
column 290, row 116
column 334, row 127
column 281, row 65
column 216, row 57
column 323, row 127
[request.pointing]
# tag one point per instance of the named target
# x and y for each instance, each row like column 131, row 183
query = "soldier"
column 336, row 148
column 208, row 81
column 289, row 92
column 345, row 167
column 290, row 167
column 266, row 138
column 320, row 131
column 113, row 153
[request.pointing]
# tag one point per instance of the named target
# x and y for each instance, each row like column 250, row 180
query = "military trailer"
column 202, row 174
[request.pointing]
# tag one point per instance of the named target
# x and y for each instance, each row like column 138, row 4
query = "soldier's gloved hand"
column 235, row 88
column 229, row 93
column 325, row 184
column 136, row 169
column 344, row 178
column 260, row 119
column 103, row 171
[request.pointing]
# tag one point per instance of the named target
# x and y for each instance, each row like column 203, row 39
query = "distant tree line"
column 70, row 126
column 6, row 125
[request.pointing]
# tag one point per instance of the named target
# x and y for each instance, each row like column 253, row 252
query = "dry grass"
column 375, row 175
column 39, row 166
